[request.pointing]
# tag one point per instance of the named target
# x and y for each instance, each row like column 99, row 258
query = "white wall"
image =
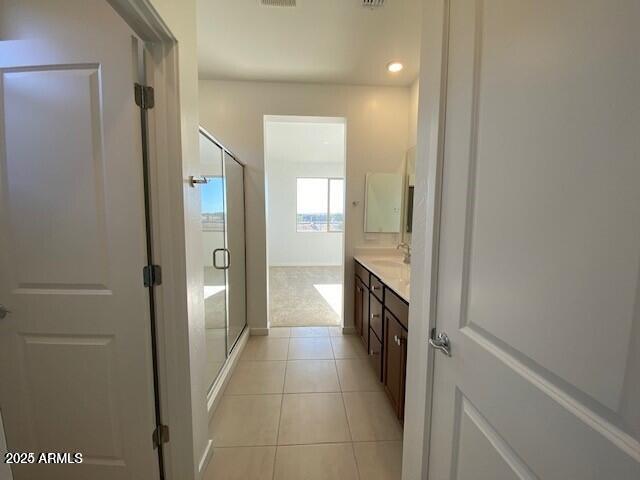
column 300, row 149
column 414, row 94
column 377, row 140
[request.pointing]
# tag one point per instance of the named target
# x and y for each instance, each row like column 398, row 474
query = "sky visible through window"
column 212, row 205
column 212, row 196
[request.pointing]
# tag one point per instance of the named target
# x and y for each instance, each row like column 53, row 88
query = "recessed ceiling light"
column 395, row 67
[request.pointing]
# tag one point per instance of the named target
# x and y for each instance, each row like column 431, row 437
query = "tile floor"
column 303, row 404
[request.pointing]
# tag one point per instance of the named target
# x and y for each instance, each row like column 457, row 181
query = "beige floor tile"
column 371, row 417
column 241, row 463
column 313, row 418
column 357, row 376
column 379, row 460
column 309, row 332
column 307, row 376
column 257, row 377
column 265, row 348
column 310, row 349
column 348, row 346
column 246, row 420
column 335, row 331
column 276, row 332
column 316, row 462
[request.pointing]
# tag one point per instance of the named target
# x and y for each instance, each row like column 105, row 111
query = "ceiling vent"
column 277, row 3
column 372, row 3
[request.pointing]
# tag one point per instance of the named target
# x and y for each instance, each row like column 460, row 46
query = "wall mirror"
column 409, row 183
column 383, row 203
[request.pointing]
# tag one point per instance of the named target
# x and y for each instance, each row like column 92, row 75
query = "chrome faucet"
column 406, row 248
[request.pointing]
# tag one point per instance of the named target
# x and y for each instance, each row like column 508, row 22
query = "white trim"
column 304, row 264
column 215, row 394
column 206, row 457
column 167, row 207
column 305, row 119
column 425, row 239
column 259, row 331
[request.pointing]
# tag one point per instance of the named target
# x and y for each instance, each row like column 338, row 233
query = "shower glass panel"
column 235, row 227
column 213, row 216
column 223, row 241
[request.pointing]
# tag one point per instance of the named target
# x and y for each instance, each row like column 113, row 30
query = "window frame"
column 328, row 211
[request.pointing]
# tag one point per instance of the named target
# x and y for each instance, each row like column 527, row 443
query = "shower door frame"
column 221, row 377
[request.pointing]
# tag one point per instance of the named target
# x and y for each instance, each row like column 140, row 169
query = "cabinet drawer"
column 377, row 287
column 363, row 274
column 397, row 307
column 375, row 354
column 375, row 316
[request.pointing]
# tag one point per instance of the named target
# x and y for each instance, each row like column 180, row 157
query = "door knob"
column 440, row 342
column 3, row 311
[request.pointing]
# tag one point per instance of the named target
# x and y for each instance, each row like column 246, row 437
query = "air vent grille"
column 372, row 3
column 277, row 3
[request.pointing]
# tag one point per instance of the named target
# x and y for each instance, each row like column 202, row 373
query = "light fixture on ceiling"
column 395, row 67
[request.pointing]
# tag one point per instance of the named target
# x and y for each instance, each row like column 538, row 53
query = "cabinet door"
column 364, row 317
column 358, row 303
column 394, row 365
column 375, row 316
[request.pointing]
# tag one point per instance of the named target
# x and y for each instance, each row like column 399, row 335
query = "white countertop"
column 393, row 272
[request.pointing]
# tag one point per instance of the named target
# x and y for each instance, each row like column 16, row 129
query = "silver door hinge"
column 144, row 96
column 160, row 435
column 152, row 275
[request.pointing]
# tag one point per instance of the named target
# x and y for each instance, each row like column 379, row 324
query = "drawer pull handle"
column 374, row 315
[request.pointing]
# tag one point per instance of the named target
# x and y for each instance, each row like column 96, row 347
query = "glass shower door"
column 213, row 217
column 235, row 229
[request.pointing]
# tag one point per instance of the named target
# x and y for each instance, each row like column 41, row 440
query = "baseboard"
column 348, row 330
column 206, row 457
column 259, row 331
column 215, row 395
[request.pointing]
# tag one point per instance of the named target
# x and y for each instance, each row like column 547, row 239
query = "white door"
column 75, row 349
column 539, row 252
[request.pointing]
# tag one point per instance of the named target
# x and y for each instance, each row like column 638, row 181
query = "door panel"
column 43, row 178
column 539, row 252
column 76, row 372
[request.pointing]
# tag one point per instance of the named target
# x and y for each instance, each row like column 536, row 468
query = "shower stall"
column 222, row 214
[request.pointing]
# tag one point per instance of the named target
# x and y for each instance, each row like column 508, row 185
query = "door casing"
column 426, row 234
column 166, row 183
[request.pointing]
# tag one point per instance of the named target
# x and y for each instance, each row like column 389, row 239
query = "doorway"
column 304, row 172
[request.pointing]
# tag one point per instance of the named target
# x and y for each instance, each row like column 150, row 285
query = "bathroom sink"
column 388, row 263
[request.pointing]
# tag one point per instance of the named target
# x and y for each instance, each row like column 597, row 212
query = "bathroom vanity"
column 381, row 319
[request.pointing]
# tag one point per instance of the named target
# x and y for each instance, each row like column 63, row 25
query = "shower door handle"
column 215, row 259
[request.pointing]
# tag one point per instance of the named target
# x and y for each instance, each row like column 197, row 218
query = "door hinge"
column 160, row 435
column 144, row 96
column 152, row 275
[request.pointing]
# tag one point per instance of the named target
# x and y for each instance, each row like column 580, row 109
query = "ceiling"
column 319, row 41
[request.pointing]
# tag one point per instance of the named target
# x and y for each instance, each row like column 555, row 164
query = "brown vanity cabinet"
column 361, row 301
column 375, row 316
column 381, row 320
column 395, row 364
column 375, row 354
column 358, row 306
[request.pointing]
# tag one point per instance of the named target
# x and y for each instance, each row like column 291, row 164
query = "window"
column 320, row 205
